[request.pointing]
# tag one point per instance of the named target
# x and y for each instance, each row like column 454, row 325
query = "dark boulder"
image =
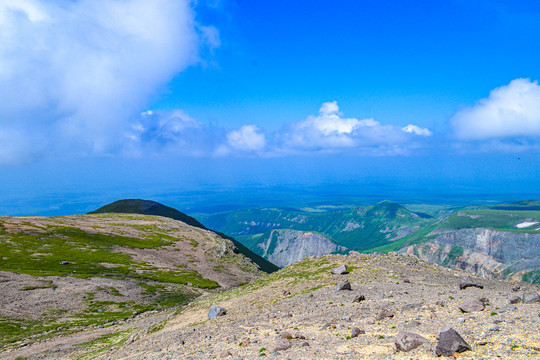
column 450, row 342
column 469, row 282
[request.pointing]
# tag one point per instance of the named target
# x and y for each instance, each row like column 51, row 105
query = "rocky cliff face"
column 488, row 253
column 284, row 247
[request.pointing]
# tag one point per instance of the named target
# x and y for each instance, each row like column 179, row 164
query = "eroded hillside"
column 71, row 273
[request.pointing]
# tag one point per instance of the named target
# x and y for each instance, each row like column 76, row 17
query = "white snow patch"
column 526, row 224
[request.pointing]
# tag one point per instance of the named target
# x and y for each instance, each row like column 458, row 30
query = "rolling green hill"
column 148, row 207
column 357, row 229
column 73, row 272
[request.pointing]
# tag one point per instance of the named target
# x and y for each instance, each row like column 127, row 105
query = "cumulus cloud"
column 75, row 73
column 330, row 131
column 247, row 138
column 510, row 111
column 417, row 130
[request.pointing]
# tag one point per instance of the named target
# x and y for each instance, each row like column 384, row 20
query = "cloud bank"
column 73, row 74
column 330, row 131
column 176, row 133
column 510, row 111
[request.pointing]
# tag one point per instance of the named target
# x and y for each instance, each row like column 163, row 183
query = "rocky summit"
column 296, row 313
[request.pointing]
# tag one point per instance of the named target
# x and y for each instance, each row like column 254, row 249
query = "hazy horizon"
column 236, row 103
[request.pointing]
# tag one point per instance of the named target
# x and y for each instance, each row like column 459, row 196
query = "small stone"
column 216, row 311
column 406, row 281
column 304, row 344
column 440, row 302
column 343, row 285
column 414, row 306
column 494, row 328
column 406, row 341
column 460, row 320
column 326, row 326
column 286, row 293
column 64, row 262
column 530, row 297
column 356, row 331
column 359, row 298
column 516, row 288
column 342, row 269
column 286, row 335
column 484, row 300
column 450, row 342
column 468, row 282
column 514, row 299
column 226, row 354
column 472, row 306
column 508, row 308
column 413, row 323
column 282, row 344
column 384, row 313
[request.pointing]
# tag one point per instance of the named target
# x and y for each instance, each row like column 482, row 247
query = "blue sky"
column 105, row 99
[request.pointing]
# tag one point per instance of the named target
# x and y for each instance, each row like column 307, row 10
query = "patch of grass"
column 104, row 343
column 157, row 327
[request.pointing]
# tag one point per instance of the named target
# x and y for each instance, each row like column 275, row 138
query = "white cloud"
column 247, row 138
column 76, row 72
column 330, row 131
column 417, row 130
column 510, row 111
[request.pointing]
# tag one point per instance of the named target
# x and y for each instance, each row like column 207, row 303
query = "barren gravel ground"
column 422, row 296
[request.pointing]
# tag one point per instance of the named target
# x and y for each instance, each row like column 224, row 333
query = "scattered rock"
column 343, row 285
column 286, row 335
column 282, row 344
column 216, row 311
column 508, row 308
column 484, row 300
column 356, row 331
column 450, row 342
column 407, row 341
column 226, row 354
column 469, row 282
column 530, row 297
column 472, row 306
column 342, row 269
column 413, row 323
column 384, row 313
column 326, row 326
column 64, row 262
column 460, row 320
column 516, row 288
column 406, row 281
column 494, row 328
column 514, row 299
column 286, row 293
column 414, row 306
column 359, row 298
column 304, row 344
column 440, row 302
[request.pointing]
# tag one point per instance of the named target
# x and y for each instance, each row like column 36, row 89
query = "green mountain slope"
column 357, row 229
column 149, row 207
column 73, row 272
